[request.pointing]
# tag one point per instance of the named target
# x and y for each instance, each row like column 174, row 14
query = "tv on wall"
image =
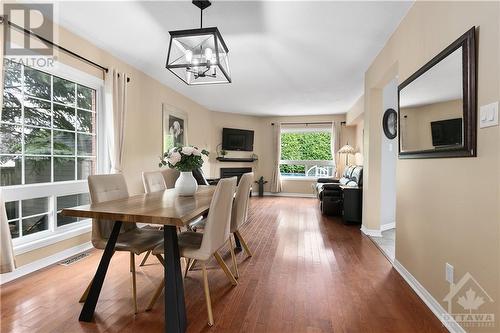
column 237, row 139
column 447, row 132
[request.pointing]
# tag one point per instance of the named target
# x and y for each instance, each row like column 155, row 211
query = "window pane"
column 68, row 201
column 64, row 91
column 86, row 167
column 37, row 170
column 36, row 83
column 36, row 141
column 64, row 117
column 12, row 73
column 35, row 224
column 85, row 145
column 293, row 170
column 10, row 170
column 64, row 143
column 306, row 146
column 85, row 121
column 11, row 109
column 14, row 228
column 86, row 97
column 12, row 209
column 10, row 139
column 35, row 206
column 64, row 169
column 37, row 112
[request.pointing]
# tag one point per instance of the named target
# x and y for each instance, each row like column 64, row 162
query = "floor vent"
column 74, row 259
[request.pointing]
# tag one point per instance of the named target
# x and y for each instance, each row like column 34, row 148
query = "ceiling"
column 286, row 58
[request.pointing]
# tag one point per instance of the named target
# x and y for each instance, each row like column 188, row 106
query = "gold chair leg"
column 83, row 298
column 156, row 295
column 134, row 289
column 226, row 270
column 188, row 264
column 243, row 243
column 207, row 295
column 143, row 262
column 233, row 257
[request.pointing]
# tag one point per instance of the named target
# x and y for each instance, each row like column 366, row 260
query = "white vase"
column 186, row 185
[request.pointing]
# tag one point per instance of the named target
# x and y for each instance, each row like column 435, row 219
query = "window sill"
column 56, row 237
column 308, row 179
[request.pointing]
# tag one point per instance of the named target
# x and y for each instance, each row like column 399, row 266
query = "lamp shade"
column 198, row 56
column 347, row 149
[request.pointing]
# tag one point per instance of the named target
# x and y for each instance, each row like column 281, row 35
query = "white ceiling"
column 286, row 58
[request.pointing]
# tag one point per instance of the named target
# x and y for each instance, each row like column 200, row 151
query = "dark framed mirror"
column 437, row 105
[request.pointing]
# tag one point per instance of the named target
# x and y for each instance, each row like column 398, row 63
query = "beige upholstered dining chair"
column 239, row 213
column 201, row 246
column 239, row 216
column 153, row 181
column 170, row 176
column 131, row 239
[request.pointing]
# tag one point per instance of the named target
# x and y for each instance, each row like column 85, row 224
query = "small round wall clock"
column 390, row 123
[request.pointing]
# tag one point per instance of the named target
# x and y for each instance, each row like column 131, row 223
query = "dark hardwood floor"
column 309, row 273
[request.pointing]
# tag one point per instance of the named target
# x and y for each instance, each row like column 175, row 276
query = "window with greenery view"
column 47, row 136
column 306, row 153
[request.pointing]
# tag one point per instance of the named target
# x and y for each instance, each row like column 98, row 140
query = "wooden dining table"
column 165, row 208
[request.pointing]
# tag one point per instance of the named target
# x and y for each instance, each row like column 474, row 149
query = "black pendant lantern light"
column 199, row 56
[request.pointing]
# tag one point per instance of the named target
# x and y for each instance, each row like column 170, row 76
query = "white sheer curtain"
column 115, row 85
column 276, row 177
column 7, row 259
column 335, row 145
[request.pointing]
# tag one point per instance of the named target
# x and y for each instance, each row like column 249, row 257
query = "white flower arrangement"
column 184, row 158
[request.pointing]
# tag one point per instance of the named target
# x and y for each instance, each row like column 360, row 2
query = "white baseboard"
column 387, row 226
column 371, row 232
column 42, row 263
column 285, row 194
column 430, row 301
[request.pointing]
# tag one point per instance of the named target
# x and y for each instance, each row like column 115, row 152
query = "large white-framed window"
column 50, row 141
column 306, row 152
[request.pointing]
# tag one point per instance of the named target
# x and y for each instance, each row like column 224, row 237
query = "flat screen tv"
column 447, row 132
column 237, row 139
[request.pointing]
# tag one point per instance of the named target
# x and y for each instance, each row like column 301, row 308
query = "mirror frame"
column 469, row 83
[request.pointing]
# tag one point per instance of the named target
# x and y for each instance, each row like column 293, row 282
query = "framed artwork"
column 174, row 127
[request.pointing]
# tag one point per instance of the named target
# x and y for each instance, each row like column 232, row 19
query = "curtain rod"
column 308, row 123
column 46, row 41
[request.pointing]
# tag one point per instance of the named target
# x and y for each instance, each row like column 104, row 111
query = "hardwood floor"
column 308, row 273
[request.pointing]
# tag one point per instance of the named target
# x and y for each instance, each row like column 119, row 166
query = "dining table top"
column 163, row 207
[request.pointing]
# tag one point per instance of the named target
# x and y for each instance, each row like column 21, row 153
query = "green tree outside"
column 304, row 146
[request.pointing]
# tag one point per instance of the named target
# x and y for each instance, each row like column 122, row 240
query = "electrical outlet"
column 449, row 273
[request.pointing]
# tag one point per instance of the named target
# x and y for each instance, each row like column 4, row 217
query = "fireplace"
column 231, row 172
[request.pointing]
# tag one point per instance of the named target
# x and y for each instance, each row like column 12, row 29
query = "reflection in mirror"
column 431, row 108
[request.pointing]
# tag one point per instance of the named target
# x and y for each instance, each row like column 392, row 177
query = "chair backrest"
column 241, row 200
column 170, row 176
column 104, row 188
column 153, row 181
column 200, row 177
column 216, row 230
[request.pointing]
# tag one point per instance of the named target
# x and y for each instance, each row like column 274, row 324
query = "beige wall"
column 416, row 122
column 447, row 209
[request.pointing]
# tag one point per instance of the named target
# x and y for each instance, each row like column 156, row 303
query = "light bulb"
column 208, row 54
column 189, row 55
